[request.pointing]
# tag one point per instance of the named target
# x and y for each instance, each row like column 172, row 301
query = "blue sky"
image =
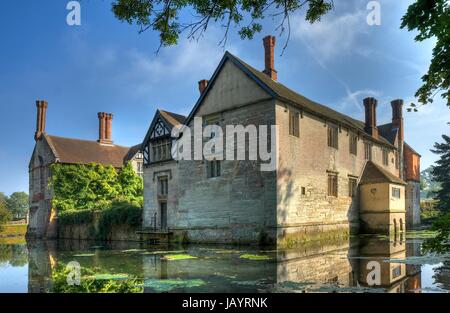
column 105, row 65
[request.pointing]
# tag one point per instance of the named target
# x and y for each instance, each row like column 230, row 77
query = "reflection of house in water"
column 393, row 275
column 41, row 262
column 315, row 267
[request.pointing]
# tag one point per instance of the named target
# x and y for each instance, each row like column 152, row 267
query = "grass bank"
column 13, row 234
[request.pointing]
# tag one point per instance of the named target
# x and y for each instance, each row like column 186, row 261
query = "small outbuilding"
column 382, row 201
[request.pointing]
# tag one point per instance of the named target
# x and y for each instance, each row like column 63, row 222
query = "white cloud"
column 333, row 35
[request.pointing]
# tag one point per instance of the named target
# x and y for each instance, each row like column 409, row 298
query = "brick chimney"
column 202, row 84
column 269, row 47
column 371, row 116
column 41, row 117
column 104, row 128
column 397, row 118
column 397, row 123
column 108, row 131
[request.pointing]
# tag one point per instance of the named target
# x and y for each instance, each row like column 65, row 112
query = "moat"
column 342, row 266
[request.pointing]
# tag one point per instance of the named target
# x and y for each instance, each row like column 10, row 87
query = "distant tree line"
column 14, row 207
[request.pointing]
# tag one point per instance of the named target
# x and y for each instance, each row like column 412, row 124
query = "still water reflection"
column 332, row 267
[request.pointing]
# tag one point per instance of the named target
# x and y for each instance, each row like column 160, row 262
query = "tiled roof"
column 172, row 118
column 388, row 132
column 132, row 152
column 77, row 151
column 374, row 174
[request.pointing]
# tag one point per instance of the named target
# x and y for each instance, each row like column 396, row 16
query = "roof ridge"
column 85, row 140
column 268, row 82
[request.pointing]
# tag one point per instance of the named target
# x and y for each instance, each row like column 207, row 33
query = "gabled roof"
column 132, row 152
column 77, row 151
column 279, row 91
column 169, row 119
column 172, row 118
column 374, row 174
column 412, row 150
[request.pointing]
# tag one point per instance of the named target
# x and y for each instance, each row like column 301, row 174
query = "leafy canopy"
column 164, row 16
column 17, row 204
column 94, row 186
column 5, row 214
column 431, row 18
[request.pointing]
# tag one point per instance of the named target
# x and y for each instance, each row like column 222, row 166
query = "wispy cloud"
column 333, row 35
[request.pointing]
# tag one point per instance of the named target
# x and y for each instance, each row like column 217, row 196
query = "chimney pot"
column 202, row 84
column 41, row 118
column 269, row 57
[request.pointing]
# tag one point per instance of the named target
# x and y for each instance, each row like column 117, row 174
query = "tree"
column 431, row 18
column 5, row 215
column 131, row 184
column 17, row 204
column 164, row 16
column 441, row 173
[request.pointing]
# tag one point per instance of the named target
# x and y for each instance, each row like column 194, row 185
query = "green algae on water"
column 133, row 250
column 164, row 285
column 179, row 257
column 111, row 276
column 163, row 252
column 255, row 257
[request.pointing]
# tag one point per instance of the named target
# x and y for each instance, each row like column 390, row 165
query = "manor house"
column 334, row 174
column 51, row 149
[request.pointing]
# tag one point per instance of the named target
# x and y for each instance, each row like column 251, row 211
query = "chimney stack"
column 41, row 117
column 269, row 47
column 104, row 128
column 397, row 123
column 202, row 84
column 371, row 116
column 108, row 131
column 397, row 118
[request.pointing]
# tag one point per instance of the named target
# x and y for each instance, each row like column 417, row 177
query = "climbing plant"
column 93, row 186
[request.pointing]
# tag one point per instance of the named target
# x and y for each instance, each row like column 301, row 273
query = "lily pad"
column 111, row 276
column 164, row 285
column 133, row 250
column 178, row 257
column 255, row 257
column 162, row 252
column 227, row 251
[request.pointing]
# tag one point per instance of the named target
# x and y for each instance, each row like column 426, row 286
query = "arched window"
column 395, row 225
column 401, row 224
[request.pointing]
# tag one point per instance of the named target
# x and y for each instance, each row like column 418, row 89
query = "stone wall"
column 89, row 231
column 412, row 204
column 40, row 194
column 151, row 202
column 240, row 205
column 304, row 164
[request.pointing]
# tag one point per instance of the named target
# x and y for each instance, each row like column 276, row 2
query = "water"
column 321, row 267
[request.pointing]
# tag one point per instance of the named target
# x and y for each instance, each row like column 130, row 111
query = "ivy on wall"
column 94, row 186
